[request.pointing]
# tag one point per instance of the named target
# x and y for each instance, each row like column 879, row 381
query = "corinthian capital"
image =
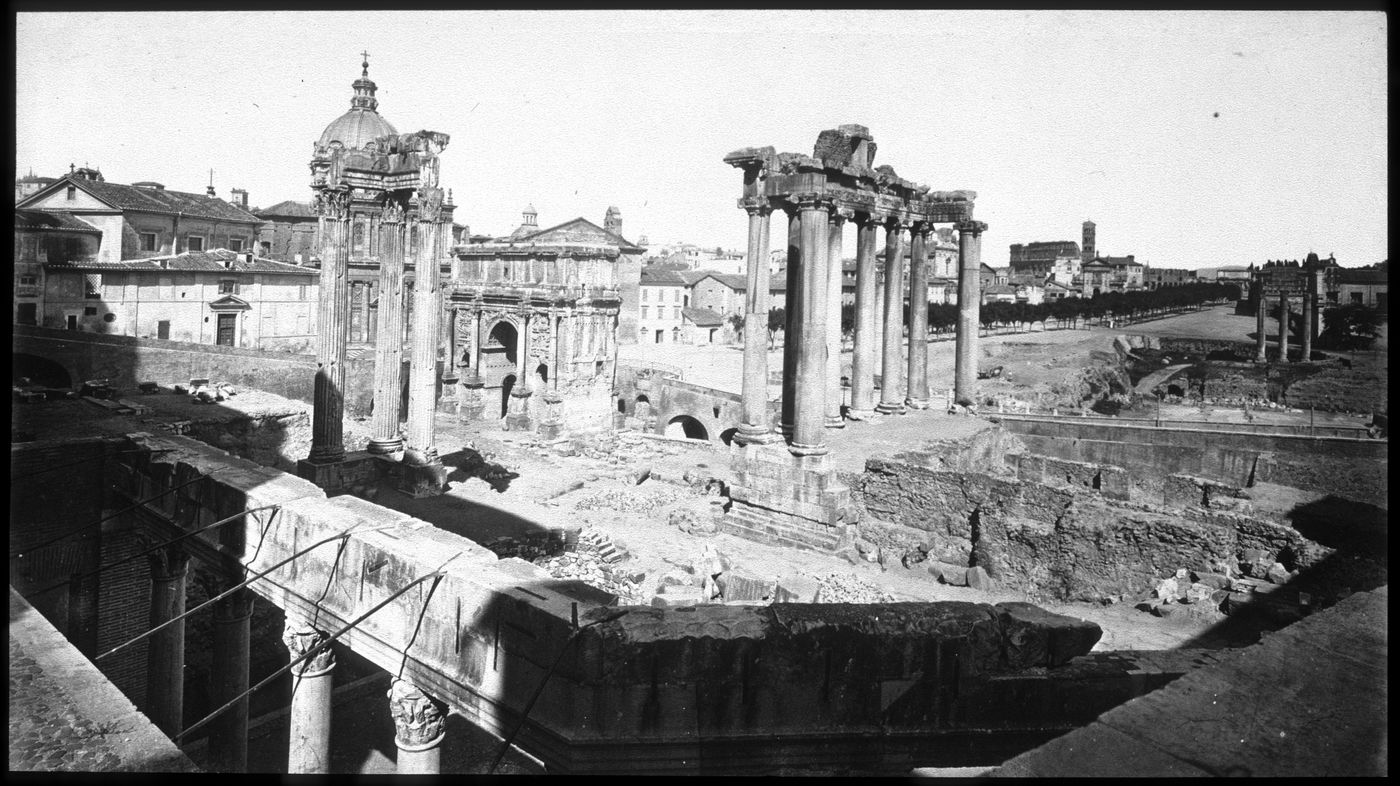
column 333, row 204
column 757, row 206
column 300, row 639
column 971, row 227
column 393, row 211
column 813, row 201
column 430, row 204
column 418, row 719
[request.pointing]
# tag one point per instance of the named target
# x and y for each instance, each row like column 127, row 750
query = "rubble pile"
column 642, row 500
column 1258, row 586
column 845, row 588
column 591, row 568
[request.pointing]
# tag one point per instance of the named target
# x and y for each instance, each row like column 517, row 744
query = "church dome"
column 362, row 123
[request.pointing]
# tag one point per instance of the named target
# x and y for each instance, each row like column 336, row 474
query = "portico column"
column 388, row 346
column 808, row 437
column 755, row 428
column 419, row 728
column 165, row 660
column 332, row 328
column 792, row 312
column 863, row 356
column 891, row 402
column 228, row 739
column 309, row 745
column 1308, row 307
column 427, row 303
column 1283, row 327
column 918, row 320
column 969, row 306
column 1261, row 311
column 835, row 225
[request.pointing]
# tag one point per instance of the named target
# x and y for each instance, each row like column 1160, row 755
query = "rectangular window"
column 645, row 294
column 1382, row 301
column 266, row 247
column 1356, row 298
column 644, row 311
column 235, row 244
column 28, row 281
column 675, row 312
column 301, row 292
column 92, row 285
column 194, row 243
column 149, row 241
column 228, row 286
column 72, row 193
column 90, row 311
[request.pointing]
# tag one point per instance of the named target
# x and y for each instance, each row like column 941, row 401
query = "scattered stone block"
column 738, row 584
column 955, row 575
column 676, row 596
column 979, row 579
column 1213, row 580
column 676, row 578
column 1032, row 636
column 796, row 589
column 1277, row 573
column 1163, row 610
column 1196, row 593
column 1166, row 589
column 1255, row 563
column 711, row 562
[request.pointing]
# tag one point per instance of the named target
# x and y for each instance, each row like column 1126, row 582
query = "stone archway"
column 687, row 427
column 727, row 436
column 39, row 371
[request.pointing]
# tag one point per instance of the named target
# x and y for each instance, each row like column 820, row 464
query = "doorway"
column 507, row 385
column 227, row 324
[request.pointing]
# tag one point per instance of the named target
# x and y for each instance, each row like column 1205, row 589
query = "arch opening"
column 686, row 427
column 39, row 371
column 507, row 385
column 727, row 436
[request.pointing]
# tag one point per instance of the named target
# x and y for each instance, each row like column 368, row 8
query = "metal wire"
column 13, row 478
column 127, row 509
column 314, row 650
column 152, row 549
column 239, row 586
column 539, row 689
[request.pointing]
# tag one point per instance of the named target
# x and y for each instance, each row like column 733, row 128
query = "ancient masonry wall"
column 1068, row 542
column 641, row 689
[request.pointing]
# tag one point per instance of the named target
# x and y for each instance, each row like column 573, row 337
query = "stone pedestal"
column 787, row 500
column 309, row 745
column 419, row 728
column 353, row 469
column 863, row 356
column 471, row 400
column 518, row 418
column 891, row 397
column 165, row 660
column 228, row 736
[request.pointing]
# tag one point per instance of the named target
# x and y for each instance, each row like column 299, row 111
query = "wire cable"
column 152, row 549
column 13, row 478
column 314, row 650
column 128, row 509
column 239, row 586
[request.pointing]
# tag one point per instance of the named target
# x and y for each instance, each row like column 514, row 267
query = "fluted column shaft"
column 419, row 729
column 309, row 721
column 891, row 368
column 228, row 737
column 388, row 345
column 165, row 659
column 332, row 329
column 918, row 320
column 969, row 308
column 808, row 431
column 755, row 427
column 863, row 354
column 792, row 311
column 832, row 410
column 1283, row 328
column 1309, row 306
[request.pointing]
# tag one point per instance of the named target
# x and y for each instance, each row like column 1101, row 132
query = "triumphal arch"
column 791, row 495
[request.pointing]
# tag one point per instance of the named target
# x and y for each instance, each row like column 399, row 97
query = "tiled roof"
column 1362, row 276
column 703, row 317
column 42, row 219
column 289, row 208
column 158, row 200
column 218, row 260
column 999, row 289
column 735, row 281
column 672, row 278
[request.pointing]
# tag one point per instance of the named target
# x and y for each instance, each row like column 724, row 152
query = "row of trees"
column 1067, row 312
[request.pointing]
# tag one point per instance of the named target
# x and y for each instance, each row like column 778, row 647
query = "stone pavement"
column 1307, row 700
column 65, row 715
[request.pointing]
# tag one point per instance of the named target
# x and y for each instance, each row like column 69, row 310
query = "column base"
column 834, row 422
column 860, row 414
column 519, row 422
column 754, row 435
column 422, row 480
column 889, row 409
column 914, row 403
column 383, row 446
column 359, row 468
column 798, row 449
column 551, row 429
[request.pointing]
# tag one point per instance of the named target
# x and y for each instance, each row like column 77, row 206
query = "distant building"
column 207, row 297
column 1366, row 286
column 41, row 237
column 1110, row 274
column 665, row 294
column 288, row 232
column 722, row 293
column 145, row 219
column 30, row 183
column 1158, row 277
column 1040, row 257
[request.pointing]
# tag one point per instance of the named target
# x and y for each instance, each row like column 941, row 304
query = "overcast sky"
column 1189, row 138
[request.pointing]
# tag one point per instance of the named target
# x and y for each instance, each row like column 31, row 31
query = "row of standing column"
column 1309, row 317
column 812, row 390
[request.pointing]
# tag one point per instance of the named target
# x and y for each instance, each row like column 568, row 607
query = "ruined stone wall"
column 1067, row 543
column 1339, row 389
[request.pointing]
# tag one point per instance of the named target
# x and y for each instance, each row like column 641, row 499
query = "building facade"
column 41, row 237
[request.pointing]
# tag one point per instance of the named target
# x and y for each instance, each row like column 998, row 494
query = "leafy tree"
column 777, row 320
column 1351, row 326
